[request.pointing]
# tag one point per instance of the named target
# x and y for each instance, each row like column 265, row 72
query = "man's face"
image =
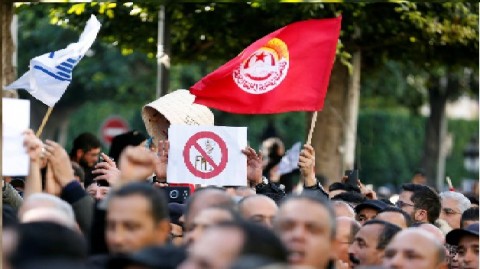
column 364, row 247
column 88, row 158
column 343, row 239
column 365, row 215
column 467, row 252
column 409, row 250
column 130, row 225
column 451, row 212
column 305, row 228
column 97, row 192
column 216, row 249
column 205, row 219
column 396, row 218
column 405, row 203
column 261, row 210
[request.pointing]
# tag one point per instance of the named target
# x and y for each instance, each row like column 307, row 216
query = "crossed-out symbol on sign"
column 194, row 142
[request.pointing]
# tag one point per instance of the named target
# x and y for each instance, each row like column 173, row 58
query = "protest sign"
column 15, row 120
column 208, row 155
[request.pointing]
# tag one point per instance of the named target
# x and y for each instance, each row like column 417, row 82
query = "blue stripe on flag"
column 65, row 75
column 50, row 73
column 72, row 61
column 67, row 65
column 51, row 54
column 67, row 70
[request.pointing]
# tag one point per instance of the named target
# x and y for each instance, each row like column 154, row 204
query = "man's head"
column 222, row 244
column 413, row 248
column 98, row 191
column 207, row 218
column 370, row 241
column 47, row 207
column 432, row 229
column 346, row 230
column 343, row 209
column 85, row 150
column 258, row 208
column 204, row 198
column 469, row 216
column 453, row 205
column 395, row 216
column 306, row 225
column 421, row 202
column 137, row 217
column 466, row 241
column 368, row 210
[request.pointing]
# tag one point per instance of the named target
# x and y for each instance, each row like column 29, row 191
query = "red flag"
column 287, row 70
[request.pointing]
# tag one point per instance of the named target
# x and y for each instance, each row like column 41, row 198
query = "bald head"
column 205, row 198
column 342, row 209
column 433, row 230
column 258, row 208
column 429, row 251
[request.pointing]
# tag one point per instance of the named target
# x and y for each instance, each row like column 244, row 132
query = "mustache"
column 353, row 259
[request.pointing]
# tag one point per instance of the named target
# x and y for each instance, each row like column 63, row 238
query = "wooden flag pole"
column 44, row 121
column 312, row 126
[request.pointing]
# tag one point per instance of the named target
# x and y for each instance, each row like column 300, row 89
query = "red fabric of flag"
column 287, row 70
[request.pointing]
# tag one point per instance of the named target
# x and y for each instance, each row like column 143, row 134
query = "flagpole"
column 312, row 126
column 44, row 121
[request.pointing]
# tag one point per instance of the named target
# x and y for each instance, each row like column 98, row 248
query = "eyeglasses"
column 401, row 204
column 449, row 211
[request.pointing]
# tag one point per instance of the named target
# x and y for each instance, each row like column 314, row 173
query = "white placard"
column 15, row 121
column 207, row 155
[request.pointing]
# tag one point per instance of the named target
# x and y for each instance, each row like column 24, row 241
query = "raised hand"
column 138, row 164
column 254, row 166
column 59, row 163
column 107, row 170
column 34, row 146
column 306, row 163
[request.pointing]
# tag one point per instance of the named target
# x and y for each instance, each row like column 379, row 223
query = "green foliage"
column 390, row 144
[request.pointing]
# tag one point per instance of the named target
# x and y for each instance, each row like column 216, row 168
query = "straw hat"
column 178, row 108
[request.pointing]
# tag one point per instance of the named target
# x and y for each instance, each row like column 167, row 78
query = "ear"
column 421, row 215
column 79, row 154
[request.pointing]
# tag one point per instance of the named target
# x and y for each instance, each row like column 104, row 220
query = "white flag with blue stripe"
column 51, row 73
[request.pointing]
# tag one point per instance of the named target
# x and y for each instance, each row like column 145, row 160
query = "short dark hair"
column 425, row 198
column 319, row 199
column 406, row 216
column 155, row 197
column 470, row 214
column 388, row 232
column 258, row 240
column 350, row 197
column 85, row 142
column 342, row 186
column 43, row 240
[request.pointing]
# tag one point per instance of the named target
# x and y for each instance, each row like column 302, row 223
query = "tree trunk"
column 351, row 113
column 328, row 136
column 8, row 48
column 435, row 133
column 163, row 53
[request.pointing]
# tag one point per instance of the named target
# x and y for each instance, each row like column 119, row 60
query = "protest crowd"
column 156, row 201
column 88, row 209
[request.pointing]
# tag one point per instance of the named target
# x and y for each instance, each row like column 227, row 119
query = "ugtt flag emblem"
column 287, row 70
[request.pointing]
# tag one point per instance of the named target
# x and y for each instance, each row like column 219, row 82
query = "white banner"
column 15, row 121
column 207, row 155
column 51, row 73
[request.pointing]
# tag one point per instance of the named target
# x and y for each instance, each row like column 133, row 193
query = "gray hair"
column 463, row 202
column 58, row 203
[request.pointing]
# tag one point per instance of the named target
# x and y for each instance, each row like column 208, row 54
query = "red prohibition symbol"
column 194, row 142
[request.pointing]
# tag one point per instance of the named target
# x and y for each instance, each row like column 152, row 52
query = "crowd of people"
column 87, row 209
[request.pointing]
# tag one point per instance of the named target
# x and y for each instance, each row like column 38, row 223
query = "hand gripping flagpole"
column 44, row 121
column 312, row 127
